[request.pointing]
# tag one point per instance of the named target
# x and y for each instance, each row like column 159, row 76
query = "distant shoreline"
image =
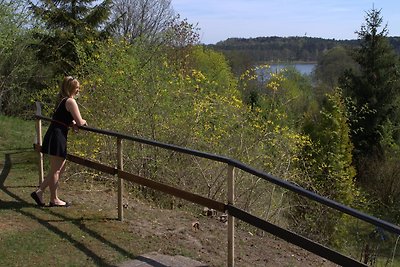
column 291, row 50
column 279, row 62
column 291, row 62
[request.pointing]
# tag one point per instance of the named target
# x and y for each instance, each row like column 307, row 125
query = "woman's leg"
column 57, row 167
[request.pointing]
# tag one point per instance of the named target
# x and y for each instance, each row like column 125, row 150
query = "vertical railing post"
column 231, row 219
column 120, row 166
column 39, row 143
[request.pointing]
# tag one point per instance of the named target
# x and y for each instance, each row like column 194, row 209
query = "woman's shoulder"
column 70, row 99
column 70, row 102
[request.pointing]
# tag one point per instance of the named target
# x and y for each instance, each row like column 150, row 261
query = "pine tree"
column 71, row 30
column 376, row 87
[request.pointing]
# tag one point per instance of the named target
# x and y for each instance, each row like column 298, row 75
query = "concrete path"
column 154, row 259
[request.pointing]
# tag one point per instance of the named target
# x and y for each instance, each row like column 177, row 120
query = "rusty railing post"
column 120, row 166
column 231, row 219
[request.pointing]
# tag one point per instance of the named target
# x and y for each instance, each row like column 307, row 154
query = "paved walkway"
column 155, row 259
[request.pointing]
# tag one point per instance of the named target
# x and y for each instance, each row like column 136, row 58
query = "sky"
column 332, row 19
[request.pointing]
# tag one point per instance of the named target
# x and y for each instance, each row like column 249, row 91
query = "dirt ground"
column 209, row 240
column 201, row 237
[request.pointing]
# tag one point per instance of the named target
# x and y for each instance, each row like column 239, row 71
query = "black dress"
column 55, row 139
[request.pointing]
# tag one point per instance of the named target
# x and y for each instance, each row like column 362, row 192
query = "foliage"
column 333, row 150
column 299, row 97
column 18, row 67
column 158, row 102
column 272, row 142
column 380, row 176
column 328, row 165
column 181, row 33
column 70, row 31
column 377, row 85
column 331, row 66
column 374, row 93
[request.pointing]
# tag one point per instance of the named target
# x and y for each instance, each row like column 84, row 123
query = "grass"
column 16, row 134
column 82, row 236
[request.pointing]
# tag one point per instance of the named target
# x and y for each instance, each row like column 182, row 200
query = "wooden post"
column 39, row 142
column 120, row 166
column 231, row 219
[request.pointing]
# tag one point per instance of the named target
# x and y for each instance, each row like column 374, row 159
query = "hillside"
column 288, row 49
column 88, row 234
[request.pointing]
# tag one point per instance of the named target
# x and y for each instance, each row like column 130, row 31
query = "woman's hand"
column 75, row 127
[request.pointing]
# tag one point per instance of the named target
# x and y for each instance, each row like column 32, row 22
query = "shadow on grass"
column 20, row 203
column 8, row 164
column 6, row 169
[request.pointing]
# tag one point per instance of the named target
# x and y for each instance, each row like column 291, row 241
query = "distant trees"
column 286, row 49
column 332, row 65
column 250, row 51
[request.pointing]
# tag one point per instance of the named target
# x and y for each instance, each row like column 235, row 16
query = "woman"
column 66, row 114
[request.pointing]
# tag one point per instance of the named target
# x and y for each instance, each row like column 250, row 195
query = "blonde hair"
column 67, row 88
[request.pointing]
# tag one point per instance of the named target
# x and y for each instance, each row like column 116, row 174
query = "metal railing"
column 229, row 207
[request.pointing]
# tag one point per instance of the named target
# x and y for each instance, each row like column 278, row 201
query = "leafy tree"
column 331, row 159
column 376, row 86
column 70, row 31
column 18, row 67
column 331, row 66
column 298, row 98
column 328, row 164
column 142, row 19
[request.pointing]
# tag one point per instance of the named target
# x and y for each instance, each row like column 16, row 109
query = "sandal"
column 66, row 205
column 37, row 200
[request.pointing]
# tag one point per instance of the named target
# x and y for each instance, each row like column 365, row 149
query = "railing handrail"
column 282, row 183
column 228, row 207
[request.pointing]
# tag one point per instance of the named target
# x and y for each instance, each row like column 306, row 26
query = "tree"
column 376, row 87
column 328, row 163
column 331, row 161
column 71, row 30
column 374, row 111
column 17, row 65
column 331, row 66
column 142, row 18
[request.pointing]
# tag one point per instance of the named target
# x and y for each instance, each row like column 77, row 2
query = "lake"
column 303, row 68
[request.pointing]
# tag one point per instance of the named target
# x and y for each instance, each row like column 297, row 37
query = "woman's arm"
column 73, row 108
